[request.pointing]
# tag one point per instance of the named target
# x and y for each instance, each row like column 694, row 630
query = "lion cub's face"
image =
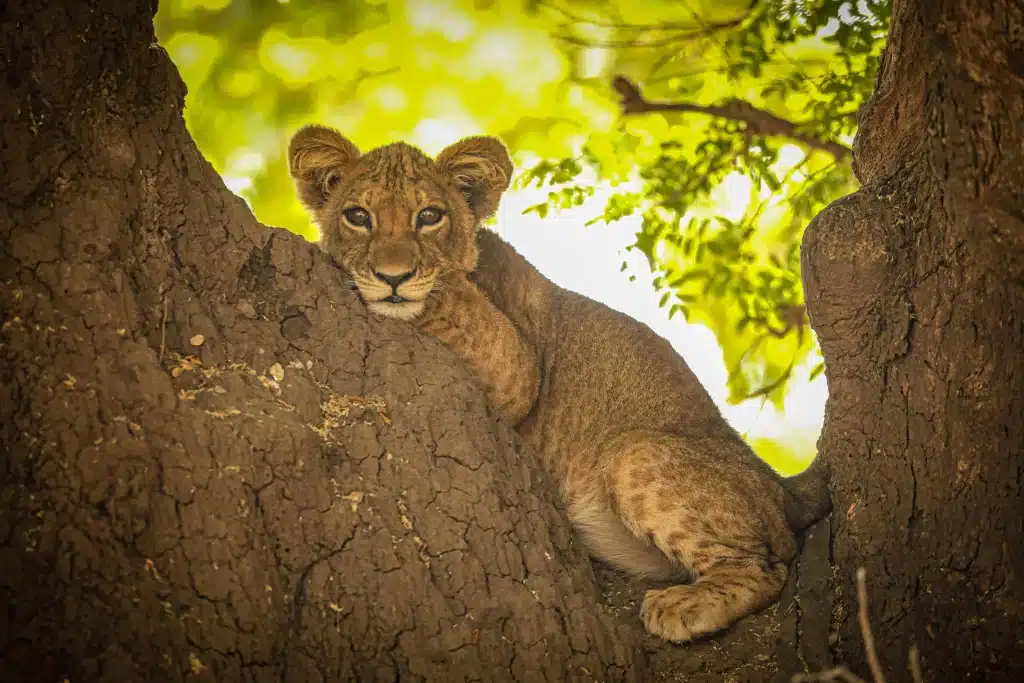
column 398, row 221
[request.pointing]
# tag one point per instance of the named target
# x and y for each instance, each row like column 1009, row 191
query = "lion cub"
column 655, row 480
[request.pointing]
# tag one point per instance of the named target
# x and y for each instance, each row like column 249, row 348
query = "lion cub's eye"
column 357, row 217
column 428, row 217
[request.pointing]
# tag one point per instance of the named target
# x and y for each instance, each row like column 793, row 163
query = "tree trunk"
column 915, row 286
column 215, row 466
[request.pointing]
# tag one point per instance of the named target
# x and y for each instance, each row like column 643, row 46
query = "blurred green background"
column 728, row 129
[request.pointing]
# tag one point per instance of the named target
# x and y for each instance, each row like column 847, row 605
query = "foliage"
column 426, row 71
column 727, row 128
column 739, row 136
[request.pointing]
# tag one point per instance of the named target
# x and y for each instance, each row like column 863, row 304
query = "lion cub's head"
column 398, row 221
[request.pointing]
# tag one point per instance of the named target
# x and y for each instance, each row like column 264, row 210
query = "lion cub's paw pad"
column 682, row 613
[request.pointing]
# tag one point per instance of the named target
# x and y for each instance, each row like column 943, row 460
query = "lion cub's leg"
column 464, row 319
column 609, row 540
column 706, row 506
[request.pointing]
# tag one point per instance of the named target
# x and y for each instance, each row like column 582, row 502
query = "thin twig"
column 771, row 386
column 666, row 41
column 757, row 121
column 865, row 626
column 715, row 71
column 792, row 318
column 661, row 26
column 841, row 673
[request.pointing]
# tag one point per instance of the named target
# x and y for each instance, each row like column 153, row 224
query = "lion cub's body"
column 655, row 480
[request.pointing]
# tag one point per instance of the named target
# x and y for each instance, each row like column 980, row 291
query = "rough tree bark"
column 306, row 494
column 915, row 286
column 216, row 467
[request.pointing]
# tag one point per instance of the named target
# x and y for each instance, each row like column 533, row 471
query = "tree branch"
column 632, row 42
column 757, row 121
column 705, row 27
column 685, row 30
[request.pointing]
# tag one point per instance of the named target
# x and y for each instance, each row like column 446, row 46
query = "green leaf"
column 815, row 371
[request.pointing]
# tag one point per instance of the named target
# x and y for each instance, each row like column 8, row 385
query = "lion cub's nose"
column 395, row 280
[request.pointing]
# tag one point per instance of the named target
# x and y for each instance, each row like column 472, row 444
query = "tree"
column 217, row 467
column 914, row 285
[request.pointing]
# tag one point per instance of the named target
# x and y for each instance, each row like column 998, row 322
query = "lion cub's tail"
column 809, row 496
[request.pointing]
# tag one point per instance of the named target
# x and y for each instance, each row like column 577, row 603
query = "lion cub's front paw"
column 683, row 613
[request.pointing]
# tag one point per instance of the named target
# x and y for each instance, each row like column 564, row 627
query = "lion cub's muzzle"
column 395, row 281
column 396, row 293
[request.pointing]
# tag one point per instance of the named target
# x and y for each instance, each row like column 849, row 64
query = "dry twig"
column 915, row 664
column 841, row 674
column 865, row 626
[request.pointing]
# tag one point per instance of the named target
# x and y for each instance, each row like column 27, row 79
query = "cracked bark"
column 914, row 286
column 301, row 495
column 310, row 495
column 214, row 466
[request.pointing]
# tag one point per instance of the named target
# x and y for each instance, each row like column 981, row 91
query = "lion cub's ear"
column 316, row 155
column 482, row 170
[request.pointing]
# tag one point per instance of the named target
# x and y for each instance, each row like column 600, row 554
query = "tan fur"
column 656, row 482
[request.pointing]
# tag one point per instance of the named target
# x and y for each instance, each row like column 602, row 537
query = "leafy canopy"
column 736, row 122
column 724, row 124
